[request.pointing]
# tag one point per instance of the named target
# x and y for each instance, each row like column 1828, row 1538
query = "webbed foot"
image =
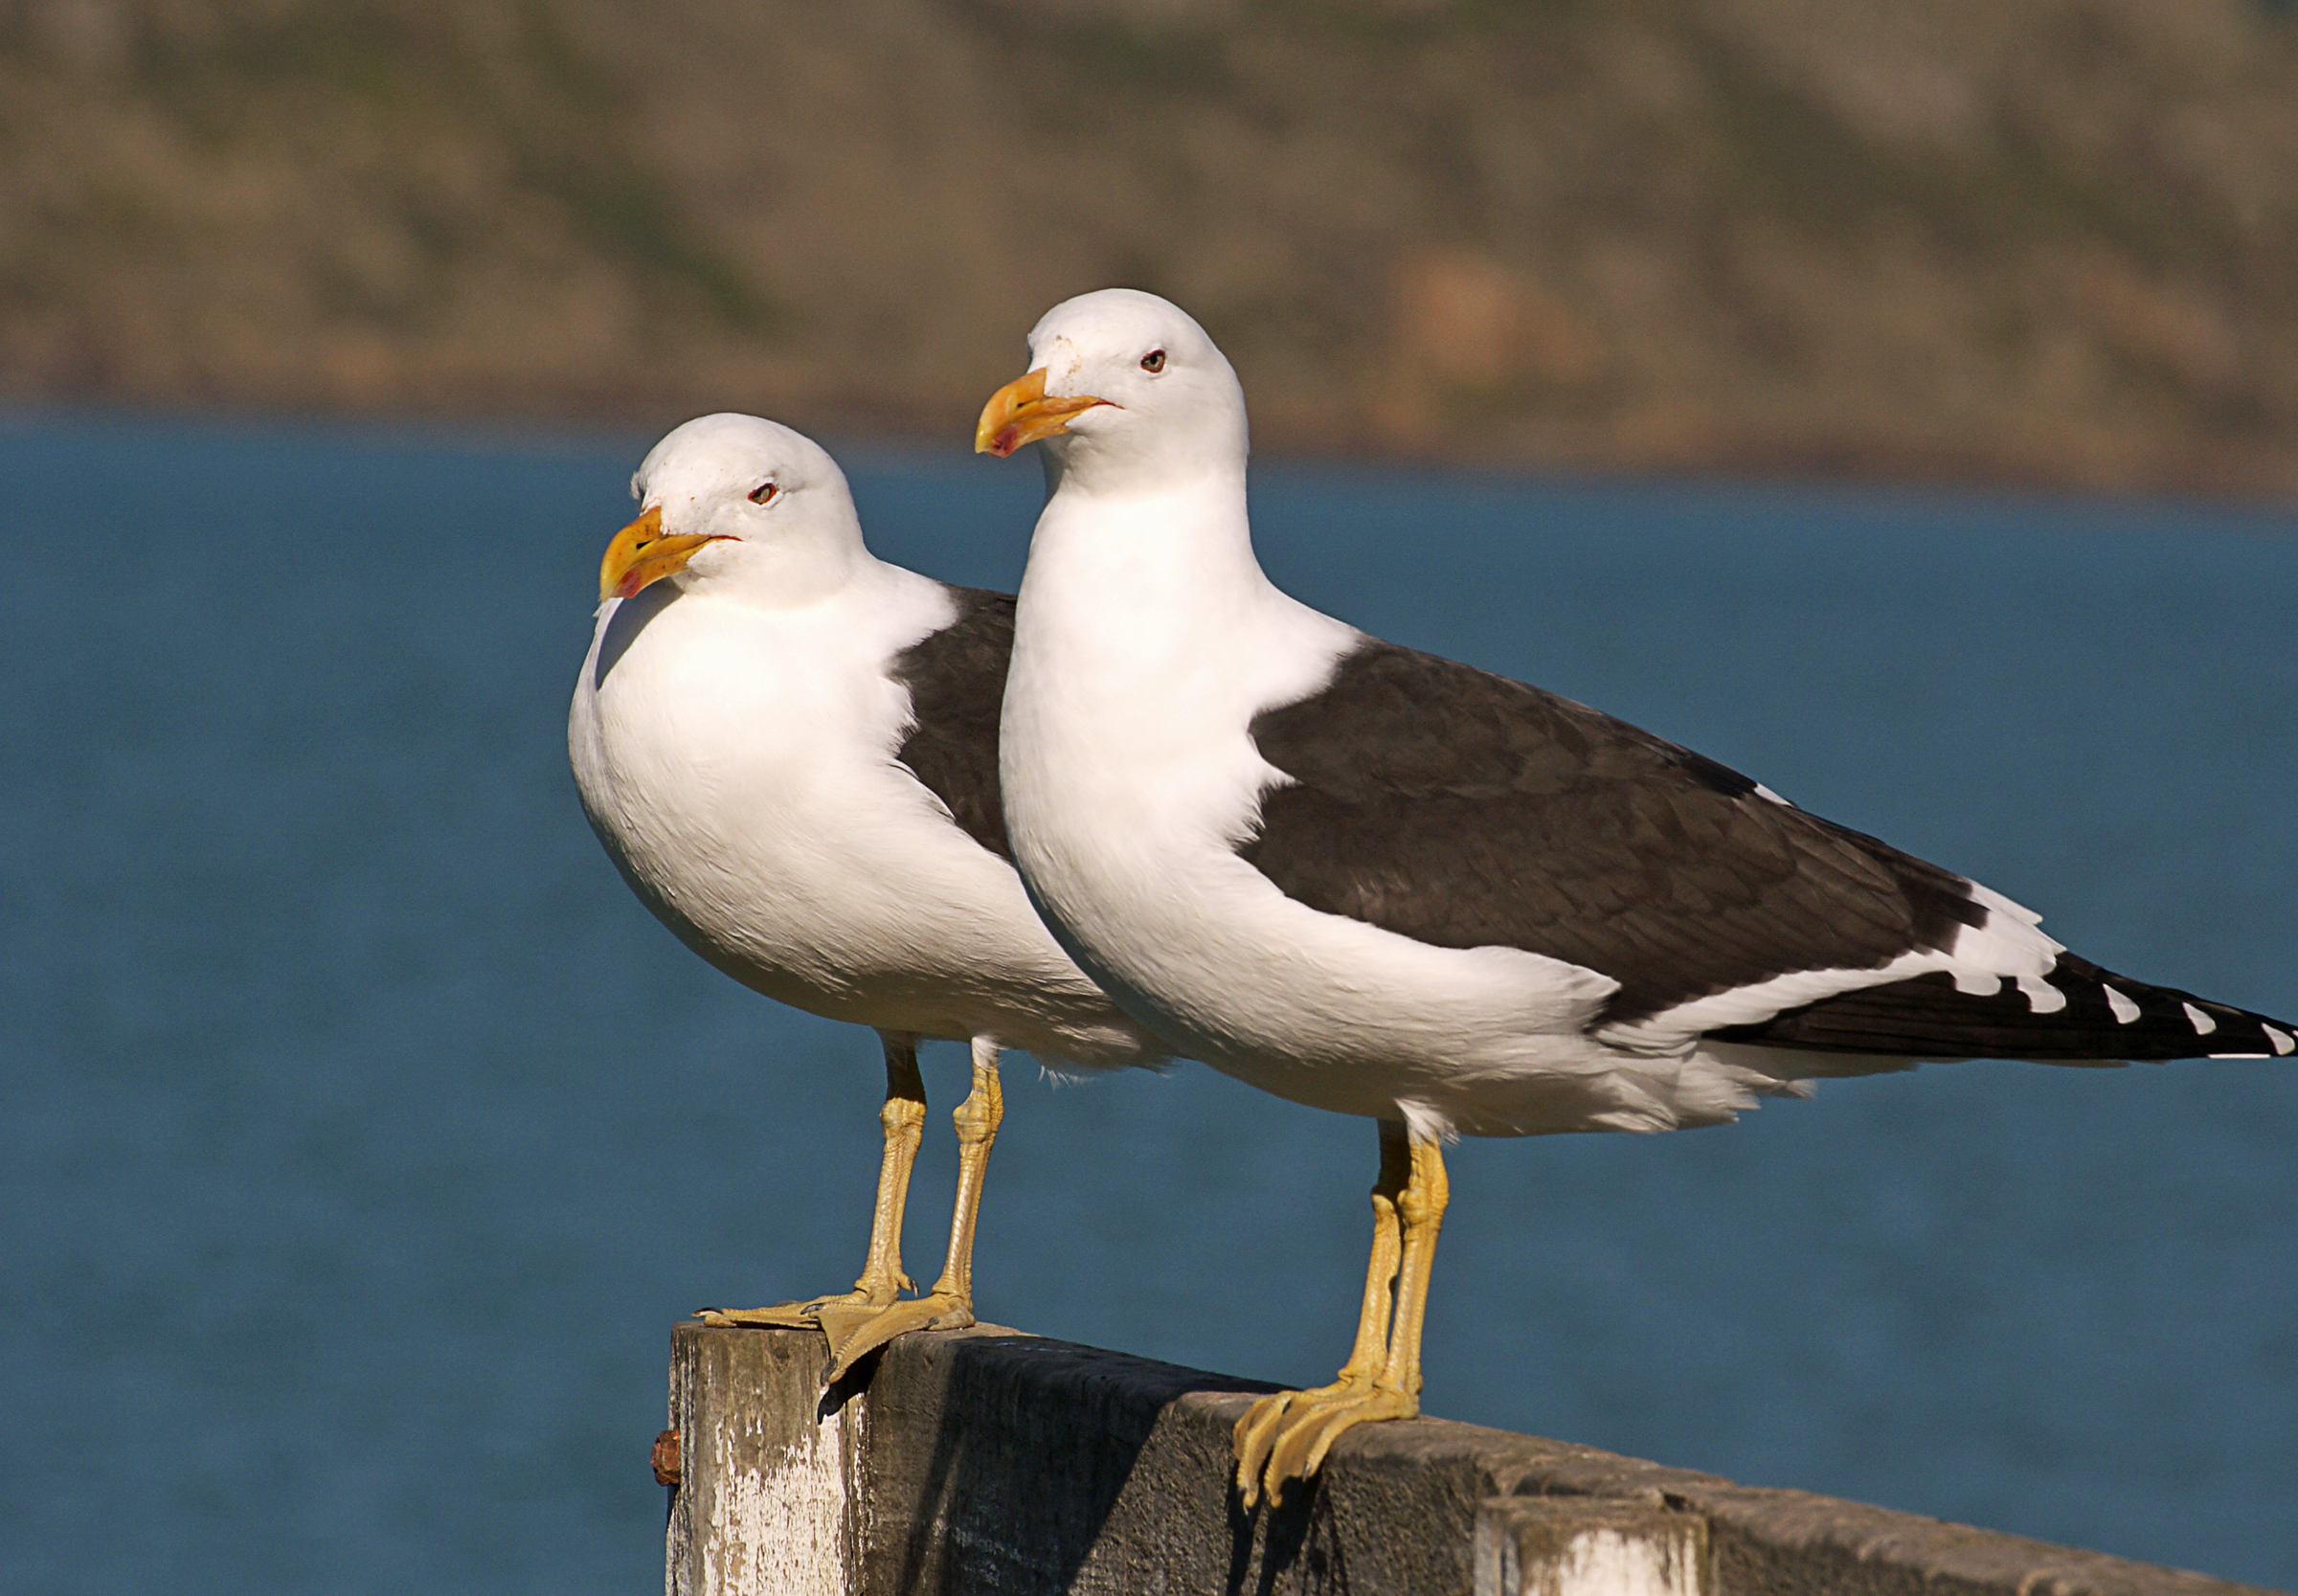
column 1308, row 1429
column 798, row 1315
column 855, row 1332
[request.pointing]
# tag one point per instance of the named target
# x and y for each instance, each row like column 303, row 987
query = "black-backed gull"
column 1379, row 882
column 789, row 748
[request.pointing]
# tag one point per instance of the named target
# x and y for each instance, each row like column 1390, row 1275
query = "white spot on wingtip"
column 2281, row 1040
column 1764, row 791
column 2042, row 998
column 1995, row 902
column 2125, row 1010
column 2202, row 1022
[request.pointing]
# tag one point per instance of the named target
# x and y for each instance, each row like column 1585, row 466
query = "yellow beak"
column 639, row 556
column 1020, row 412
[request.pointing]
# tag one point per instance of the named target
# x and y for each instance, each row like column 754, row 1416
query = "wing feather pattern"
column 1927, row 1017
column 1464, row 809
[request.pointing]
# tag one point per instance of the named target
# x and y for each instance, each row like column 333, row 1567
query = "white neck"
column 1147, row 638
column 1131, row 598
column 1187, row 534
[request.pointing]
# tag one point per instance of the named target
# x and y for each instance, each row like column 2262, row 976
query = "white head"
column 1126, row 391
column 738, row 505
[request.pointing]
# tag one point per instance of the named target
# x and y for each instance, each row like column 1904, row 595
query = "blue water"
column 363, row 1137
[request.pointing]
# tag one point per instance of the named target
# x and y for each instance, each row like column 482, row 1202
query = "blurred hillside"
column 2050, row 239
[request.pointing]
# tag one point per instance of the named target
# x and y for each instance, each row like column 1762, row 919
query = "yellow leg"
column 1257, row 1432
column 1314, row 1421
column 1421, row 1214
column 950, row 1304
column 977, row 1119
column 903, row 1117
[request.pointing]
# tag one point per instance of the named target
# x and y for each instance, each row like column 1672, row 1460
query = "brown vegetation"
column 2055, row 239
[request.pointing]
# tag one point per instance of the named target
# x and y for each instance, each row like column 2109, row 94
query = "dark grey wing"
column 956, row 682
column 1464, row 809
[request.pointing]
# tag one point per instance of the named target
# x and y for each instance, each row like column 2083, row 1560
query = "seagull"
column 1379, row 882
column 789, row 749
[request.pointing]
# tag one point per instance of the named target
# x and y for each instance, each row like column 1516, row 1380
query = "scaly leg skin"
column 1257, row 1432
column 950, row 1305
column 1313, row 1427
column 882, row 1282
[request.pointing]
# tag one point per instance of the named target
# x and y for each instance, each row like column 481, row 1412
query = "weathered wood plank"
column 987, row 1461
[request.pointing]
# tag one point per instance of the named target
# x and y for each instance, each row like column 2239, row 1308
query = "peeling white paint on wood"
column 780, row 1529
column 1582, row 1546
column 1612, row 1563
column 765, row 1505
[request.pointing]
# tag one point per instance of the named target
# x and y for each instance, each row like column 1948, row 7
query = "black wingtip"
column 2105, row 1016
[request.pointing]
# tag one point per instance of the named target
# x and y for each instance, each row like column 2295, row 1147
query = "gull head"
column 740, row 504
column 1121, row 385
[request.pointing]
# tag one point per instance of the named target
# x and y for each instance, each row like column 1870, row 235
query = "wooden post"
column 988, row 1463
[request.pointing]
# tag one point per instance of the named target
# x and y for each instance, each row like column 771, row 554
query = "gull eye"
column 764, row 493
column 1154, row 361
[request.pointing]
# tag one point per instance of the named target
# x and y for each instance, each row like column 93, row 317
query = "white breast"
column 739, row 764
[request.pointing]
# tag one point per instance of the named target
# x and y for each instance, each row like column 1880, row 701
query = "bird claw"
column 1256, row 1436
column 856, row 1332
column 1285, row 1436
